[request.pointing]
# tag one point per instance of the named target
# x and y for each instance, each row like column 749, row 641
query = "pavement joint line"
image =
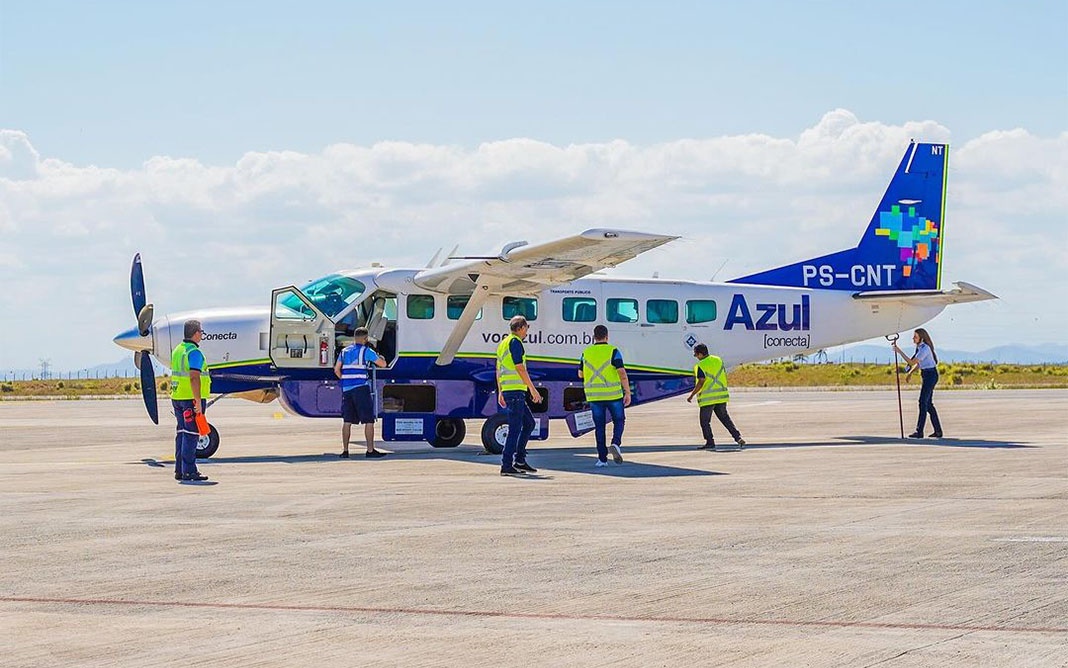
column 537, row 615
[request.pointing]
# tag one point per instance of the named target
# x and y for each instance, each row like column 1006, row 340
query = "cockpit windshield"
column 330, row 294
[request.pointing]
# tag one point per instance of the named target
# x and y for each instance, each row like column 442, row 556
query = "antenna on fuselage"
column 712, row 280
column 433, row 259
column 449, row 256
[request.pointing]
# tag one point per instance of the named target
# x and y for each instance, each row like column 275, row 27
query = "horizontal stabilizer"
column 964, row 293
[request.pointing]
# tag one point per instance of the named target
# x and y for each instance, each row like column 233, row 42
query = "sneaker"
column 196, row 477
column 935, row 434
column 523, row 466
column 600, row 464
column 617, row 456
column 740, row 441
column 344, row 455
column 511, row 472
column 177, row 475
column 707, row 446
column 374, row 454
column 915, row 434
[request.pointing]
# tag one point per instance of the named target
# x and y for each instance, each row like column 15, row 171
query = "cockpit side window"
column 332, row 294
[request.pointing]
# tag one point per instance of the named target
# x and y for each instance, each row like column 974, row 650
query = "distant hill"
column 1048, row 353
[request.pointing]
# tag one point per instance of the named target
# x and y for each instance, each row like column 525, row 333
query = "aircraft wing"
column 523, row 269
column 965, row 292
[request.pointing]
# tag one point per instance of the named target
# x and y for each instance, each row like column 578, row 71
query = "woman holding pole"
column 926, row 361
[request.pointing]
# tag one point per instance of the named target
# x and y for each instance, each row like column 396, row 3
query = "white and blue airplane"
column 439, row 326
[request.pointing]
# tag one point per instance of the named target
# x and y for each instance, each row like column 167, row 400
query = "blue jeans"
column 185, row 438
column 520, row 427
column 600, row 410
column 930, row 379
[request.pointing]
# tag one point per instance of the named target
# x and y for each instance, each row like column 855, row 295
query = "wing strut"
column 463, row 325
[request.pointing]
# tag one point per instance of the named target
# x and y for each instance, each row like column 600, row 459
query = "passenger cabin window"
column 661, row 311
column 622, row 310
column 420, row 307
column 454, row 307
column 524, row 306
column 700, row 310
column 580, row 309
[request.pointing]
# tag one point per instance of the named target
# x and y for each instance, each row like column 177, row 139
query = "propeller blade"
column 144, row 319
column 137, row 285
column 148, row 386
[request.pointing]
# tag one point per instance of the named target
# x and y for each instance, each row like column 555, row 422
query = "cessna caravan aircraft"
column 439, row 326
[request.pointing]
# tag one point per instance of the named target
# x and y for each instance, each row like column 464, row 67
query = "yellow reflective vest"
column 600, row 379
column 714, row 391
column 509, row 379
column 181, row 387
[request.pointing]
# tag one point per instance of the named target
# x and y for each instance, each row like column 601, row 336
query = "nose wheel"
column 207, row 448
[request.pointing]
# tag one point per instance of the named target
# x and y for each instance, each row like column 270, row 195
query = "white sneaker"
column 601, row 464
column 617, row 456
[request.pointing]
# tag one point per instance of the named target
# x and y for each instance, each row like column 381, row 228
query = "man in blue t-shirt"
column 357, row 404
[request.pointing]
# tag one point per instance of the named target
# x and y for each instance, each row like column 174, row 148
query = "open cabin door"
column 302, row 336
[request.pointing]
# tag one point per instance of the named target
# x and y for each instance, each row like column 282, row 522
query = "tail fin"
column 902, row 247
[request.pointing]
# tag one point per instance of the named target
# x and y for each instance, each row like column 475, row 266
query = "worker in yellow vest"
column 604, row 380
column 710, row 387
column 513, row 384
column 190, row 388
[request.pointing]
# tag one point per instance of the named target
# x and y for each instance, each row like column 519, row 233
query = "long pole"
column 892, row 338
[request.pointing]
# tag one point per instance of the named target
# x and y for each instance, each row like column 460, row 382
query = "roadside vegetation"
column 964, row 376
column 76, row 389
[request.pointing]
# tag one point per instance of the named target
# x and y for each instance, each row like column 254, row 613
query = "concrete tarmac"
column 827, row 542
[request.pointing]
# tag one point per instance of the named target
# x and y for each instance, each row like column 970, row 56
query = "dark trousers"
column 930, row 379
column 706, row 422
column 185, row 438
column 601, row 410
column 520, row 427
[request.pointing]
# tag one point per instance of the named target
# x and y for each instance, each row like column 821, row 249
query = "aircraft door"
column 382, row 325
column 301, row 335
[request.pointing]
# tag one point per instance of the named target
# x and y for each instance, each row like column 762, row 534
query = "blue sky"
column 275, row 130
column 114, row 83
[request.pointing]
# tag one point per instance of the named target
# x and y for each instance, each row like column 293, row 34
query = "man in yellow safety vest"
column 513, row 383
column 710, row 388
column 604, row 380
column 190, row 388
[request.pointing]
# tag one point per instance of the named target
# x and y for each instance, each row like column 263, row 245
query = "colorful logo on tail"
column 915, row 236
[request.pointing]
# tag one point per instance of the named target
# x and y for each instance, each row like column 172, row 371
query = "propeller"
column 143, row 358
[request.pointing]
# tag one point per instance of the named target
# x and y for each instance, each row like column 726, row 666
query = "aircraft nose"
column 131, row 339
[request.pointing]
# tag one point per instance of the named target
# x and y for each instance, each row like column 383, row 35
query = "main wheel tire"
column 495, row 433
column 448, row 433
column 212, row 445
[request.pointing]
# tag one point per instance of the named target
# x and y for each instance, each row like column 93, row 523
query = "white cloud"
column 215, row 235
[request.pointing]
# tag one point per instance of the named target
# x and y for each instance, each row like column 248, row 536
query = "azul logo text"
column 780, row 317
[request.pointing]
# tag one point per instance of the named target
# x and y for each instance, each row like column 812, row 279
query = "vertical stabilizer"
column 902, row 247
